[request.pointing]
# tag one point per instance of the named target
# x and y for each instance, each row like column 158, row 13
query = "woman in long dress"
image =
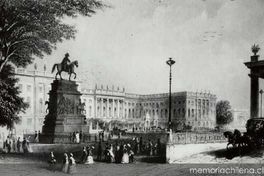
column 90, row 155
column 65, row 163
column 72, row 165
column 125, row 158
column 52, row 161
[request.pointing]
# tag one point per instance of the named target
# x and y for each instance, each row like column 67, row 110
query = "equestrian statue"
column 66, row 65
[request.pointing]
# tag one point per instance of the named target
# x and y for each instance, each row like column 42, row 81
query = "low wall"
column 175, row 152
column 182, row 145
column 149, row 136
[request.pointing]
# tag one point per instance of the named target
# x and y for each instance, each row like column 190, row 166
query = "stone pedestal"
column 65, row 112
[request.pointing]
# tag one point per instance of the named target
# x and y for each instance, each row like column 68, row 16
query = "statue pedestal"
column 65, row 112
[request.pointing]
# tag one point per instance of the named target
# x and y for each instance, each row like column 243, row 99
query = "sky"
column 127, row 45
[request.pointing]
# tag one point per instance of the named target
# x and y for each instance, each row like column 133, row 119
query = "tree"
column 223, row 113
column 10, row 102
column 31, row 28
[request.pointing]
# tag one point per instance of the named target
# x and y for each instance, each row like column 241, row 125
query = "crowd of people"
column 16, row 145
column 68, row 163
column 76, row 137
column 118, row 153
column 123, row 152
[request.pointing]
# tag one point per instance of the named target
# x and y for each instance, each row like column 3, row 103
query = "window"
column 29, row 101
column 174, row 113
column 90, row 111
column 166, row 113
column 104, row 111
column 41, row 105
column 29, row 88
column 20, row 86
column 110, row 112
column 29, row 121
column 40, row 88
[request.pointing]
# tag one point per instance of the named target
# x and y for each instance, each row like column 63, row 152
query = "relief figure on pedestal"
column 65, row 106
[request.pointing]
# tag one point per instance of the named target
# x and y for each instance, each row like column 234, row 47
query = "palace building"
column 193, row 110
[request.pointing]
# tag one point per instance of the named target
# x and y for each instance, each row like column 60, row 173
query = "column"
column 95, row 107
column 118, row 108
column 101, row 104
column 254, row 96
column 113, row 107
column 124, row 109
column 107, row 107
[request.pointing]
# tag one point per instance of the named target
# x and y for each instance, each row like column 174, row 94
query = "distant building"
column 240, row 117
column 34, row 86
column 191, row 110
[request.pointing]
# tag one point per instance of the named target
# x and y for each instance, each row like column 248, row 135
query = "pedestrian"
column 125, row 157
column 81, row 136
column 84, row 155
column 65, row 163
column 130, row 154
column 117, row 151
column 18, row 145
column 52, row 161
column 158, row 147
column 140, row 144
column 150, row 148
column 28, row 146
column 73, row 137
column 72, row 165
column 99, row 151
column 39, row 135
column 77, row 137
column 136, row 146
column 36, row 137
column 70, row 138
column 8, row 144
column 14, row 145
column 24, row 145
column 90, row 155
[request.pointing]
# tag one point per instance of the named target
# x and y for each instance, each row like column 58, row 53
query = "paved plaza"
column 19, row 164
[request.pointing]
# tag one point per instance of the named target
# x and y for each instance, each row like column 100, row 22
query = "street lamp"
column 170, row 62
column 261, row 92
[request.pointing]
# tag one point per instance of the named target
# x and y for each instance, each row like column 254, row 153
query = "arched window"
column 41, row 105
column 166, row 113
column 90, row 111
column 174, row 113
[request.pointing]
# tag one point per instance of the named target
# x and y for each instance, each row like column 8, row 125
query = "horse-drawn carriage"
column 255, row 130
column 253, row 137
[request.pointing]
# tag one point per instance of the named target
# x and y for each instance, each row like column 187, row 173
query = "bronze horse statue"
column 69, row 69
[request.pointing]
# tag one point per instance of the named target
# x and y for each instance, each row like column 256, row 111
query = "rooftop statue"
column 66, row 65
column 255, row 49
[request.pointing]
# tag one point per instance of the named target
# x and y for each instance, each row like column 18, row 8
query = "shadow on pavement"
column 235, row 152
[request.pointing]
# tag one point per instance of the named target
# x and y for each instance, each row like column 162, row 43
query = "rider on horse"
column 65, row 62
